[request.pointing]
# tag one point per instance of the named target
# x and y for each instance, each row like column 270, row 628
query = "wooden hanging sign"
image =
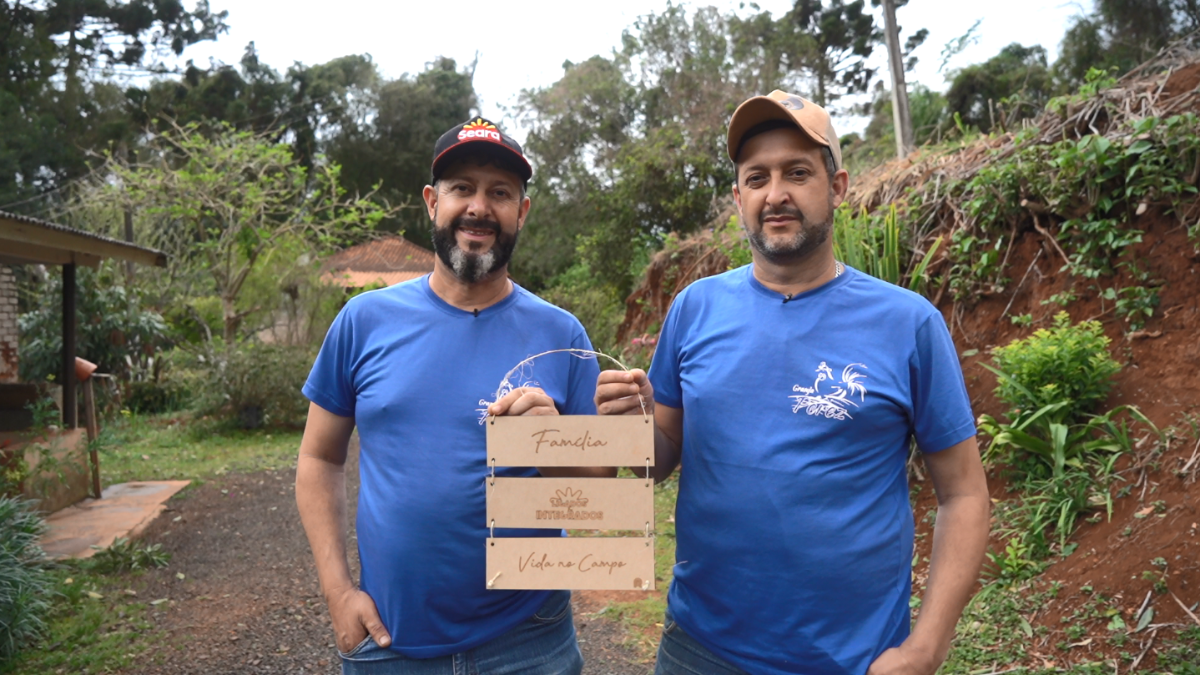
column 571, row 503
column 570, row 440
column 581, row 563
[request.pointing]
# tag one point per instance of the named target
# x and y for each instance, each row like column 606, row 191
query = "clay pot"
column 83, row 369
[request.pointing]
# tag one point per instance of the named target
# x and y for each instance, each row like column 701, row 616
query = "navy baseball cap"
column 478, row 136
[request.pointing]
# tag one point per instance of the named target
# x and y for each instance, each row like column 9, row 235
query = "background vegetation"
column 250, row 177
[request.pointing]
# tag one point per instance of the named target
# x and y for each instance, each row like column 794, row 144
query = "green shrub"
column 25, row 585
column 1065, row 363
column 255, row 385
column 114, row 331
column 155, row 397
column 596, row 306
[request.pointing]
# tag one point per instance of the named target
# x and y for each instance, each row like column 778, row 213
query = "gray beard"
column 799, row 246
column 467, row 266
column 792, row 249
column 471, row 267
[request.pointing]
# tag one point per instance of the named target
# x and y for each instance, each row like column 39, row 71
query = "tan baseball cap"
column 809, row 117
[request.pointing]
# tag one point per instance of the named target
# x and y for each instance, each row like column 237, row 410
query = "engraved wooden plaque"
column 571, row 503
column 581, row 563
column 570, row 440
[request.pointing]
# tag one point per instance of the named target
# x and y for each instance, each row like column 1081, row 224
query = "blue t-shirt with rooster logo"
column 795, row 533
column 416, row 374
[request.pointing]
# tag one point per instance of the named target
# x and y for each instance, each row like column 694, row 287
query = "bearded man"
column 415, row 368
column 791, row 389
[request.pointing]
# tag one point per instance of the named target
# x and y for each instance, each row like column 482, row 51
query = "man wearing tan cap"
column 792, row 388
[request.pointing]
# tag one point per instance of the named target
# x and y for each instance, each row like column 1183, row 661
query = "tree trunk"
column 233, row 320
column 901, row 116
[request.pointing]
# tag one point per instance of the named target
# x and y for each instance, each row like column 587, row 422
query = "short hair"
column 491, row 159
column 772, row 125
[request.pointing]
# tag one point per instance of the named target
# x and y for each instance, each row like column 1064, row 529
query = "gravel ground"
column 248, row 600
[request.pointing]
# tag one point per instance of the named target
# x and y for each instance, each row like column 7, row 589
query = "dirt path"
column 249, row 601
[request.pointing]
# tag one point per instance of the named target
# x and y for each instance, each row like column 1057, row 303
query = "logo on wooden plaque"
column 598, row 563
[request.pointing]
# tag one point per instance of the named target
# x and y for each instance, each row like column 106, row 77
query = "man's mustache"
column 789, row 211
column 474, row 224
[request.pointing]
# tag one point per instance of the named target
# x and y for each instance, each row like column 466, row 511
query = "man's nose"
column 777, row 194
column 479, row 205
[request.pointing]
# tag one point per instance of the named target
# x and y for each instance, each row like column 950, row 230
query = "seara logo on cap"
column 479, row 129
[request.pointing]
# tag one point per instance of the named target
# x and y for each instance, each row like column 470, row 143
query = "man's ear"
column 737, row 199
column 523, row 212
column 429, row 194
column 840, row 186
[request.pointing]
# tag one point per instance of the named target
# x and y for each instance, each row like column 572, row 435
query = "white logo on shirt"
column 834, row 404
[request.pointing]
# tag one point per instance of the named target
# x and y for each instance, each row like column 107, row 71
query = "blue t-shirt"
column 416, row 374
column 795, row 533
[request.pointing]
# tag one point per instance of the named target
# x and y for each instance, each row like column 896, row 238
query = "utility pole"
column 901, row 116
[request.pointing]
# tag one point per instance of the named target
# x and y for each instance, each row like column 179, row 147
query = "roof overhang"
column 25, row 240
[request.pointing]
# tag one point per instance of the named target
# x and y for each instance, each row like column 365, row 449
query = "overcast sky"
column 524, row 44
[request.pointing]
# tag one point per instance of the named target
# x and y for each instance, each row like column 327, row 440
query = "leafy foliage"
column 842, row 37
column 598, row 311
column 226, row 200
column 387, row 147
column 124, row 555
column 255, row 385
column 651, row 120
column 1119, row 34
column 1063, row 469
column 1066, row 365
column 1011, row 86
column 25, row 585
column 1060, row 456
column 55, row 100
column 114, row 330
column 1095, row 185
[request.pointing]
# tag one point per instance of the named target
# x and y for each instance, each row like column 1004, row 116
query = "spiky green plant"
column 25, row 584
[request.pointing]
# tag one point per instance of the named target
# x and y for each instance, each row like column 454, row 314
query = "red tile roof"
column 388, row 260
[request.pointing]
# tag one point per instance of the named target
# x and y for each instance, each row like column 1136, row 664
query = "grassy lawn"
column 98, row 623
column 165, row 448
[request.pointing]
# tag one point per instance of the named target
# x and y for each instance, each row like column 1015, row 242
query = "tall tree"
column 54, row 58
column 841, row 37
column 221, row 201
column 385, row 141
column 1120, row 34
column 1013, row 85
column 631, row 147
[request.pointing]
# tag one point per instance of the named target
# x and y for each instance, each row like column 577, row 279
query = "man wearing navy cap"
column 790, row 389
column 415, row 368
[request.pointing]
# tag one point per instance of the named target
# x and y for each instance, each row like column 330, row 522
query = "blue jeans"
column 679, row 654
column 543, row 645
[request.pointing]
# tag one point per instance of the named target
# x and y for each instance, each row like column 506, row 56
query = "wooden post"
column 70, row 409
column 93, row 430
